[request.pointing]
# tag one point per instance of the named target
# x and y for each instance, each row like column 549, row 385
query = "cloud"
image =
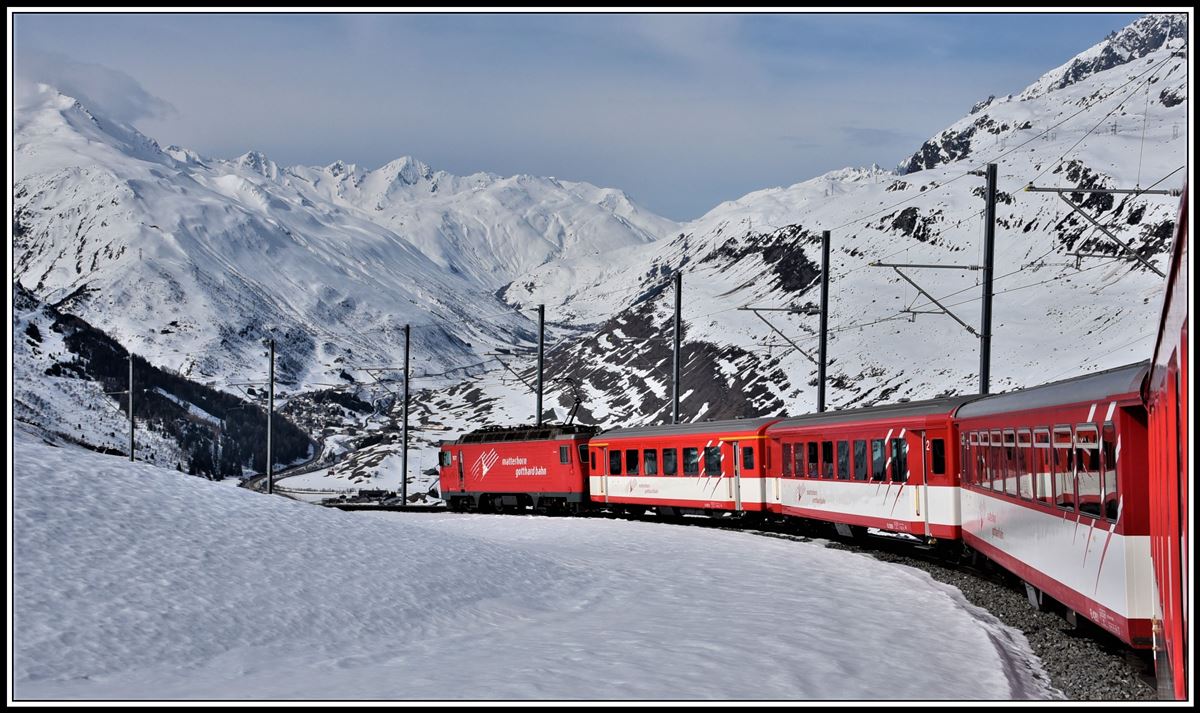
column 110, row 92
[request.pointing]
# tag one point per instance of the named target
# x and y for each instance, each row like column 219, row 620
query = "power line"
column 939, row 187
column 1153, row 67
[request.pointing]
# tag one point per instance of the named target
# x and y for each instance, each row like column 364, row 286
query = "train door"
column 923, row 498
column 737, row 479
column 912, row 452
column 584, row 469
column 604, row 468
column 462, row 479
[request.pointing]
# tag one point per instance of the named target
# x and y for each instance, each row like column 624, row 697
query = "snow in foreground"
column 136, row 582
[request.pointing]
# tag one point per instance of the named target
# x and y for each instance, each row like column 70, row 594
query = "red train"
column 494, row 469
column 1049, row 482
column 889, row 467
column 690, row 468
column 1077, row 487
column 1054, row 489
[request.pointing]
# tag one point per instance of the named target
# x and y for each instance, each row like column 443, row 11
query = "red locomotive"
column 494, row 469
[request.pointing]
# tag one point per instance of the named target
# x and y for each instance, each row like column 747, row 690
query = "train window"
column 787, row 460
column 970, row 466
column 798, row 460
column 564, row 454
column 614, row 462
column 878, row 460
column 979, row 465
column 827, row 459
column 712, row 460
column 1108, row 462
column 814, row 470
column 1042, row 490
column 1089, row 489
column 631, row 462
column 444, row 458
column 860, row 460
column 937, row 448
column 691, row 461
column 899, row 460
column 1064, row 469
column 670, row 464
column 983, row 477
column 1025, row 463
column 843, row 460
column 583, row 455
column 1011, row 471
column 593, row 461
column 650, row 461
column 748, row 457
column 996, row 460
column 980, row 454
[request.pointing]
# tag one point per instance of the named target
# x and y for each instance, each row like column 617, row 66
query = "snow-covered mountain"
column 197, row 260
column 71, row 381
column 1054, row 314
column 484, row 226
column 200, row 259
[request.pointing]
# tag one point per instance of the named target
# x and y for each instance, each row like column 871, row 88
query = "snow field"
column 135, row 582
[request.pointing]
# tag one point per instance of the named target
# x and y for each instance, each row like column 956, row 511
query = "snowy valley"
column 191, row 262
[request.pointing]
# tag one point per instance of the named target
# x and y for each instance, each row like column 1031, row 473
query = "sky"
column 681, row 111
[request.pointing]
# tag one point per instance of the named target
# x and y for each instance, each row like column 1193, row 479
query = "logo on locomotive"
column 484, row 463
column 511, row 466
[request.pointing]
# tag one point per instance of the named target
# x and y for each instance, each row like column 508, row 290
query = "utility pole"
column 270, row 415
column 404, row 436
column 821, row 351
column 131, row 407
column 541, row 355
column 678, row 330
column 989, row 255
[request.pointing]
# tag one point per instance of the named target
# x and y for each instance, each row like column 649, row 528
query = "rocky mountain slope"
column 1094, row 122
column 195, row 260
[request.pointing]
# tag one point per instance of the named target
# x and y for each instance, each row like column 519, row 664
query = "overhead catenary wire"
column 444, row 322
column 1142, row 145
column 1155, row 68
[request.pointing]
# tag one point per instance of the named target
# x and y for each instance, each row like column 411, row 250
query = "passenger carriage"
column 889, row 467
column 712, row 467
column 1054, row 489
